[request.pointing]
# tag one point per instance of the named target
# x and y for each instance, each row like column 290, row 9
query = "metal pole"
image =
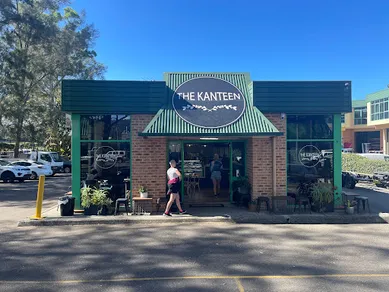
column 39, row 198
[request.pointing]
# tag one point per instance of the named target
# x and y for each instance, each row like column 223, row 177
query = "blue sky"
column 272, row 40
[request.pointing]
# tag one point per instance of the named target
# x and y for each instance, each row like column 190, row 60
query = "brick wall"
column 260, row 164
column 348, row 137
column 148, row 160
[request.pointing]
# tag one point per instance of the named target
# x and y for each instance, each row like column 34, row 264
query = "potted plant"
column 95, row 201
column 322, row 196
column 253, row 206
column 349, row 208
column 143, row 192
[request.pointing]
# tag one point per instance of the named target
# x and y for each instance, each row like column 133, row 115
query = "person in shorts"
column 216, row 174
column 174, row 184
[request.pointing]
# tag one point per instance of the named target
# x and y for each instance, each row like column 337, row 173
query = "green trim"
column 76, row 160
column 209, row 134
column 105, row 141
column 182, row 172
column 310, row 140
column 231, row 174
column 337, row 150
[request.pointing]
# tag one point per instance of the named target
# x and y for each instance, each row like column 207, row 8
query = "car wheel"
column 8, row 177
column 34, row 175
column 67, row 169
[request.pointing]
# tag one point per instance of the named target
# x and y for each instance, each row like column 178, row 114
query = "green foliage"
column 40, row 45
column 360, row 164
column 242, row 182
column 322, row 193
column 96, row 197
column 142, row 189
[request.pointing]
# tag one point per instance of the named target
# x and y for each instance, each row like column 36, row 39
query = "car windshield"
column 56, row 157
column 3, row 162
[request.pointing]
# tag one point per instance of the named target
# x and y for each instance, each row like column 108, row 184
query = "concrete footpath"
column 209, row 215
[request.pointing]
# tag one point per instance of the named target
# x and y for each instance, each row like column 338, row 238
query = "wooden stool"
column 364, row 200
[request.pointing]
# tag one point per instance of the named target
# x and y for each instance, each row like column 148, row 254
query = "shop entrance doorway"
column 194, row 161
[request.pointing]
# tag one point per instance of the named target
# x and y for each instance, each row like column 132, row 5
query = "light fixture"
column 209, row 138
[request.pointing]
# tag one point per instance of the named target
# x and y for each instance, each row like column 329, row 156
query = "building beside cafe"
column 275, row 133
column 366, row 127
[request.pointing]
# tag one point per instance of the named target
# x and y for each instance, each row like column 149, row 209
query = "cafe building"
column 274, row 133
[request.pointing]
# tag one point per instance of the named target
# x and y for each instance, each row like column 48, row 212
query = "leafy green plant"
column 142, row 189
column 96, row 197
column 322, row 193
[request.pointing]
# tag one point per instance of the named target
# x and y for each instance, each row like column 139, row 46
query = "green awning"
column 252, row 123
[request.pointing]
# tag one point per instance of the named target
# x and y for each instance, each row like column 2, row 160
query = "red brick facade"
column 260, row 162
column 149, row 160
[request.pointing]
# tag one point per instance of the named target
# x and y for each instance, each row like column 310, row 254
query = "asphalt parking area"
column 303, row 283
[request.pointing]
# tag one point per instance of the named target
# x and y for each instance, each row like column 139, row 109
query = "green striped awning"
column 252, row 123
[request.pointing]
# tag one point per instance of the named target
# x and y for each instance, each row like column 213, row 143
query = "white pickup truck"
column 47, row 157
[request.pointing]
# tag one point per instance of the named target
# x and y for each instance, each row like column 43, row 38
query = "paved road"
column 17, row 200
column 378, row 197
column 201, row 257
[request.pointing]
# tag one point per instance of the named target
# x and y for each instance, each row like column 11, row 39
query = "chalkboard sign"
column 209, row 102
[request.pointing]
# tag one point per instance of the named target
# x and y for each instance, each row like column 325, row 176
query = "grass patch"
column 360, row 164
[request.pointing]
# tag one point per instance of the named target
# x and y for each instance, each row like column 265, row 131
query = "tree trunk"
column 19, row 128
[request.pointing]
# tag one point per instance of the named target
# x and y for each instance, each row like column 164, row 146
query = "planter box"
column 92, row 210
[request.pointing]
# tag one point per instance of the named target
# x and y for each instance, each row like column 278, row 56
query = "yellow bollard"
column 39, row 198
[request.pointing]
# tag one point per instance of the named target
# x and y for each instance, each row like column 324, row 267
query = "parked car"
column 67, row 165
column 10, row 173
column 37, row 168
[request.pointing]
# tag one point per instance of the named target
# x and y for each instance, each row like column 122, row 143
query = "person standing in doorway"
column 216, row 174
column 174, row 182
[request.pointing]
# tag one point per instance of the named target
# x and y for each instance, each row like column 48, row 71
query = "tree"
column 39, row 47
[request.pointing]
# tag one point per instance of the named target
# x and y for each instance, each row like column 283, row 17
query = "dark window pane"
column 381, row 116
column 309, row 162
column 106, row 161
column 357, row 114
column 106, row 127
column 387, row 115
column 310, row 127
column 386, row 106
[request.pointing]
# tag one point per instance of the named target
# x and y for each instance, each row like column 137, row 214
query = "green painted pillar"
column 76, row 160
column 337, row 160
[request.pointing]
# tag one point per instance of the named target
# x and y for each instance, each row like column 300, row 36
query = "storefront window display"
column 310, row 147
column 105, row 152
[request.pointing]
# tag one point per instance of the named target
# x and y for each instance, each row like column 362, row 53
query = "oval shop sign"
column 208, row 102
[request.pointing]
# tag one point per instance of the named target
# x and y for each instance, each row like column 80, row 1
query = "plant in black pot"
column 322, row 196
column 242, row 190
column 95, row 201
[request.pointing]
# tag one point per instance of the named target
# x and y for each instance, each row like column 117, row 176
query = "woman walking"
column 216, row 174
column 174, row 183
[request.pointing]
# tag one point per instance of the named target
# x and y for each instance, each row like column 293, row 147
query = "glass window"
column 46, row 157
column 238, row 159
column 105, row 127
column 309, row 127
column 360, row 116
column 309, row 162
column 342, row 118
column 107, row 164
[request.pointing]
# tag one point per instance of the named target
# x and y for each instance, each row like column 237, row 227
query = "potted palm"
column 322, row 196
column 95, row 201
column 143, row 192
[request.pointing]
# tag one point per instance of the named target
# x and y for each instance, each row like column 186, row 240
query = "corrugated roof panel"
column 359, row 103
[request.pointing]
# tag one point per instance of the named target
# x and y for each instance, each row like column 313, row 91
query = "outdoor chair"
column 304, row 201
column 263, row 199
column 364, row 201
column 123, row 201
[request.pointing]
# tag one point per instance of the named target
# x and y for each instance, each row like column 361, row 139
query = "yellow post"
column 39, row 198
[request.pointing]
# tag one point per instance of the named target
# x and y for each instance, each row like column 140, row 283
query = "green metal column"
column 337, row 160
column 76, row 160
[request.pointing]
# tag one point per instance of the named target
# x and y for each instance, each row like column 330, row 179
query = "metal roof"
column 378, row 95
column 252, row 123
column 359, row 103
